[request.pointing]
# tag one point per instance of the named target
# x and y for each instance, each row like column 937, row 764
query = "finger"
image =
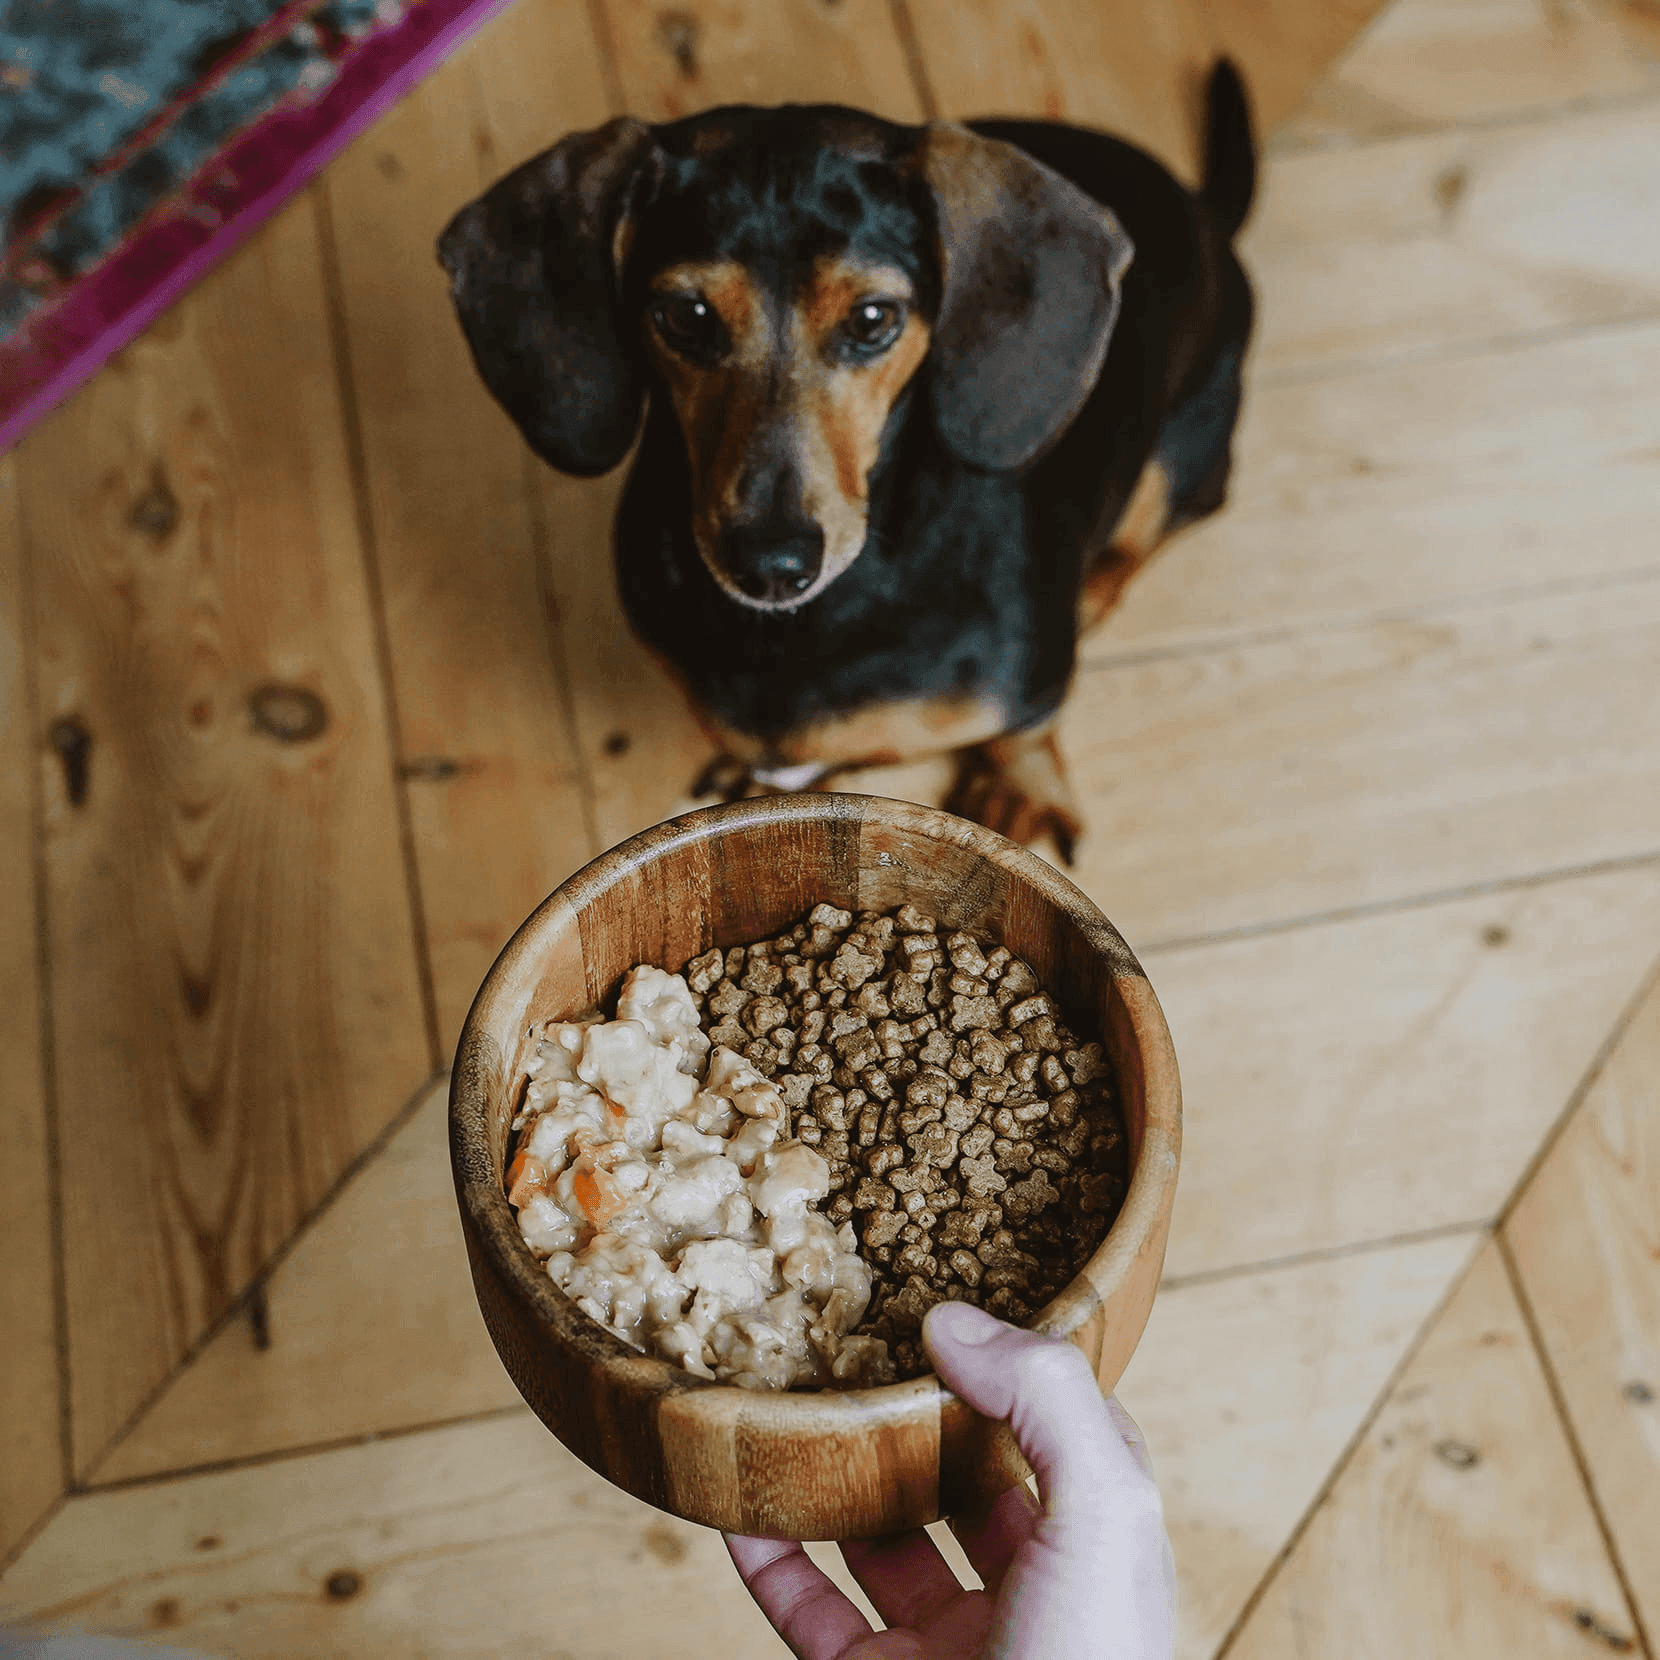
column 904, row 1575
column 807, row 1609
column 1045, row 1389
column 990, row 1537
column 1130, row 1430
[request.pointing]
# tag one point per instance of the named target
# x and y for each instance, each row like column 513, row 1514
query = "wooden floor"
column 311, row 685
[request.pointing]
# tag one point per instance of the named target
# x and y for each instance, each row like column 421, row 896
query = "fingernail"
column 962, row 1323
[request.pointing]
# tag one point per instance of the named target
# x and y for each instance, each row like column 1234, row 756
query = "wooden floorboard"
column 1285, row 48
column 1249, row 1388
column 31, row 1442
column 486, row 751
column 1352, row 765
column 233, row 982
column 1432, row 1050
column 1460, row 1527
column 1586, row 1241
column 1434, row 241
column 1430, row 64
column 671, row 63
column 1119, row 66
column 368, row 1326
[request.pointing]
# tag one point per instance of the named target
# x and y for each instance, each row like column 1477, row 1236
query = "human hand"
column 1085, row 1573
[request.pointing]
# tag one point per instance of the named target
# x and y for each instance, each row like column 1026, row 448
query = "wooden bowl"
column 803, row 1464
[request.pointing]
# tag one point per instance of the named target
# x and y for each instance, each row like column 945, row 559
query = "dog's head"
column 782, row 277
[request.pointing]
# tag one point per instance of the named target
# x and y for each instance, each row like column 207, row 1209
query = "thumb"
column 1045, row 1389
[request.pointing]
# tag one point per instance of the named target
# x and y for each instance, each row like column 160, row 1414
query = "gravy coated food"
column 654, row 1177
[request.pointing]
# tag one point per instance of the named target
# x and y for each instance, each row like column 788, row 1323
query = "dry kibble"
column 764, row 1013
column 972, row 1140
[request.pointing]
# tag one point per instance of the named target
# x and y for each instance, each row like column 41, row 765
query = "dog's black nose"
column 774, row 568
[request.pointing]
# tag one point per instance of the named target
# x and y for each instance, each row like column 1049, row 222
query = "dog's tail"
column 1230, row 148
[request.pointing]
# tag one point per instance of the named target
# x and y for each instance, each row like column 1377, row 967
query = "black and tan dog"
column 917, row 402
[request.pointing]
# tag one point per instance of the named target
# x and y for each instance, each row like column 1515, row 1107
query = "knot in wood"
column 73, row 744
column 290, row 714
column 156, row 512
column 1460, row 1454
column 678, row 31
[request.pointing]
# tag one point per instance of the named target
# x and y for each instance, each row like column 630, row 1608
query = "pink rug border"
column 64, row 342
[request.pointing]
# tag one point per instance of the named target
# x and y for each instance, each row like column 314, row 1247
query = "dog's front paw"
column 726, row 777
column 1018, row 787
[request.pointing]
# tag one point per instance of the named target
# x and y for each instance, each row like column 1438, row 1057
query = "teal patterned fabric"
column 80, row 79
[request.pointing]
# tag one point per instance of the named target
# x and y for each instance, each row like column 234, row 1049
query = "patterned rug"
column 140, row 140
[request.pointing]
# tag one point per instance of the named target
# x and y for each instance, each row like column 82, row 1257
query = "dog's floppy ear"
column 534, row 284
column 1031, row 273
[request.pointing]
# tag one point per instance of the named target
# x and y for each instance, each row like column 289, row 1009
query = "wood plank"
column 1289, row 776
column 370, row 1327
column 1287, row 47
column 234, row 992
column 31, row 1451
column 1391, row 249
column 1388, row 1074
column 1409, row 486
column 1127, row 67
column 1426, row 64
column 487, row 753
column 1586, row 1238
column 706, row 52
column 1460, row 1527
column 479, row 1540
column 1249, row 1388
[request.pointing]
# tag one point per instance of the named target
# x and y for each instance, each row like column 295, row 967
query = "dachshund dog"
column 917, row 402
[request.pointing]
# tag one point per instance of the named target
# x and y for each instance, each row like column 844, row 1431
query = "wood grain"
column 470, row 1543
column 1249, row 1388
column 1292, row 775
column 1429, row 242
column 486, row 750
column 1426, row 64
column 31, row 1451
column 1462, row 1512
column 805, row 1464
column 1125, row 67
column 674, row 61
column 1586, row 1238
column 1432, row 1051
column 234, row 992
column 1404, row 487
column 369, row 1326
column 1285, row 47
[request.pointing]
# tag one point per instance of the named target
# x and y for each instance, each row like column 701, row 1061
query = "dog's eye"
column 689, row 326
column 873, row 325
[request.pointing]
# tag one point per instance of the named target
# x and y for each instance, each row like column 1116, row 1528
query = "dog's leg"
column 1018, row 787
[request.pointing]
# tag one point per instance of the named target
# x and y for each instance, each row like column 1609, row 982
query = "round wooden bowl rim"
column 1138, row 1219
